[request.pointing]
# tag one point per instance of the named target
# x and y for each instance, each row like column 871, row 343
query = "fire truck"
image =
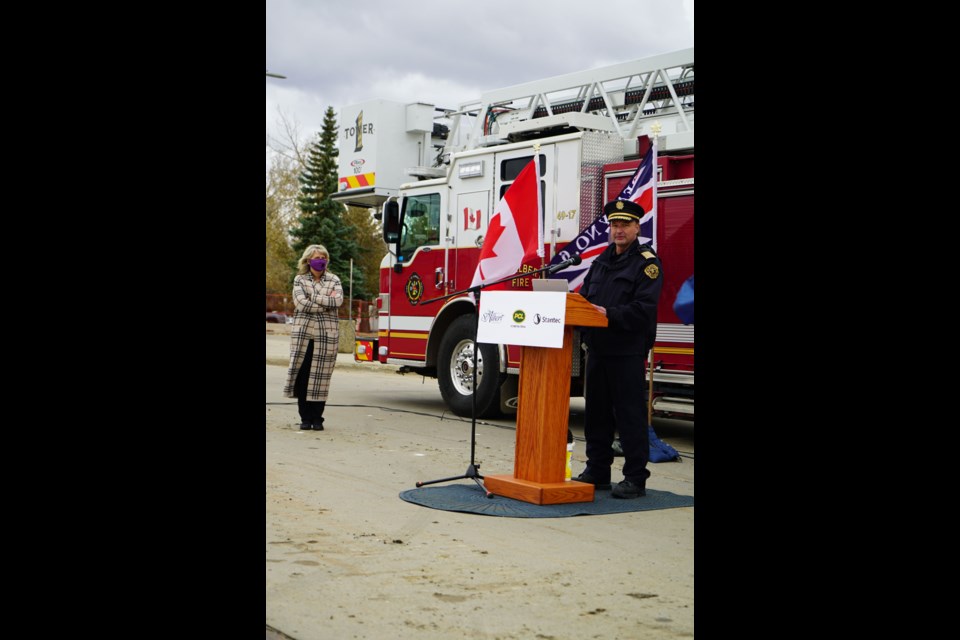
column 434, row 177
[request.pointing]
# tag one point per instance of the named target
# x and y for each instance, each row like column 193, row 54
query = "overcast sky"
column 446, row 52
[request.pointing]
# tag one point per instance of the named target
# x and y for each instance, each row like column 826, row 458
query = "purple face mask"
column 318, row 264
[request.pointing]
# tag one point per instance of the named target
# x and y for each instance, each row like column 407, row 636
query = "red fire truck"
column 436, row 185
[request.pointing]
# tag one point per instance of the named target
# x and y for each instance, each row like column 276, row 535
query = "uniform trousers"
column 616, row 401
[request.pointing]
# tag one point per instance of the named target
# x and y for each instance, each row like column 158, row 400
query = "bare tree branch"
column 289, row 144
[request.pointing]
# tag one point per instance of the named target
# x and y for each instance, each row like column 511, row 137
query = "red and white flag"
column 515, row 233
column 471, row 220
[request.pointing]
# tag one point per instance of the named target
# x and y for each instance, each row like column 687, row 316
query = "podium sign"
column 529, row 318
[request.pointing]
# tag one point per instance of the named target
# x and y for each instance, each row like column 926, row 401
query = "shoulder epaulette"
column 649, row 255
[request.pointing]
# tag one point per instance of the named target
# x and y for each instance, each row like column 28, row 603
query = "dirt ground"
column 347, row 558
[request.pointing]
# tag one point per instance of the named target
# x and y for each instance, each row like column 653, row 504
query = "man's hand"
column 600, row 309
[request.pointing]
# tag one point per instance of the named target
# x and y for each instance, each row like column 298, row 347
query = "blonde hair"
column 303, row 265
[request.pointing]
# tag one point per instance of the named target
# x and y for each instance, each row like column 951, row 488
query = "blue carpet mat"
column 470, row 498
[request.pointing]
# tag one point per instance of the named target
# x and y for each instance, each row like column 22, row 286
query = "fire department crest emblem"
column 652, row 271
column 414, row 289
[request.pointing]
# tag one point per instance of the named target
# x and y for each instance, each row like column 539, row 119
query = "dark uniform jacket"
column 628, row 286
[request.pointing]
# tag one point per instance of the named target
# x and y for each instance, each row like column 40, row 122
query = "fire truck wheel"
column 455, row 371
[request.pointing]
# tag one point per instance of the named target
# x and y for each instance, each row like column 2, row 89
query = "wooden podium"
column 543, row 412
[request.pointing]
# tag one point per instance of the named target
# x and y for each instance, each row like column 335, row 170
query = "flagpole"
column 655, row 130
column 473, row 468
column 536, row 166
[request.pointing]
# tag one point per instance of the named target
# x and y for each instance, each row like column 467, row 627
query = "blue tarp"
column 660, row 451
column 683, row 305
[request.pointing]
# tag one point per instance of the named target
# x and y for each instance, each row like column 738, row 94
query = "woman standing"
column 315, row 335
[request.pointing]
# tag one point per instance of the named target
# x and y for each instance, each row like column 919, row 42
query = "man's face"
column 623, row 233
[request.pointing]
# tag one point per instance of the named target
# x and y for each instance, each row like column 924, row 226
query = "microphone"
column 563, row 265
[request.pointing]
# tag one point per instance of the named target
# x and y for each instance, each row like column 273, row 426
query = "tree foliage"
column 279, row 255
column 282, row 190
column 322, row 220
column 285, row 158
column 369, row 238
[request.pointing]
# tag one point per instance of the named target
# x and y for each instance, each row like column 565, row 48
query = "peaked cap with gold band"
column 623, row 210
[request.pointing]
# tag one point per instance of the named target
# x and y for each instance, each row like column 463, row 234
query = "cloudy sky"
column 446, row 52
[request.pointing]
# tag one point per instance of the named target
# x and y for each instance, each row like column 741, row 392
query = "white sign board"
column 531, row 318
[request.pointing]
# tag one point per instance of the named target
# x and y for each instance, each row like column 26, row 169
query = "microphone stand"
column 473, row 469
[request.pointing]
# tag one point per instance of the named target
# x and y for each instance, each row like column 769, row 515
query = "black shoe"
column 628, row 489
column 305, row 426
column 318, row 427
column 589, row 479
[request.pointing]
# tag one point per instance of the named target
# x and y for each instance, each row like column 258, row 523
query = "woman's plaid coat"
column 314, row 318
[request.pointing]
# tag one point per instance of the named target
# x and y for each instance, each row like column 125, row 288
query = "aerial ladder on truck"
column 625, row 98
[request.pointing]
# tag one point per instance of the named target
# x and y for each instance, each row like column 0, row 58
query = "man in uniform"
column 624, row 284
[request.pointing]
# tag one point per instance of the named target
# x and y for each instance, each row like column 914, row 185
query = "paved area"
column 347, row 558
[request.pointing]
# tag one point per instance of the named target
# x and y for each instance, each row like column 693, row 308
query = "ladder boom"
column 626, row 95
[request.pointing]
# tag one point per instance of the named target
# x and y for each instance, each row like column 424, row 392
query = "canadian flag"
column 515, row 233
column 471, row 220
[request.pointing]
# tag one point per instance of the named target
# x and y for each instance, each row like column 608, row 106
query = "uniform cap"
column 623, row 210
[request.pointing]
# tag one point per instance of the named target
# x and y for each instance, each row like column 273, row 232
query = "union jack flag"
column 592, row 241
column 642, row 188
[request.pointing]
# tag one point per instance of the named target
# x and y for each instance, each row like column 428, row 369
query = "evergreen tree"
column 372, row 248
column 321, row 219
